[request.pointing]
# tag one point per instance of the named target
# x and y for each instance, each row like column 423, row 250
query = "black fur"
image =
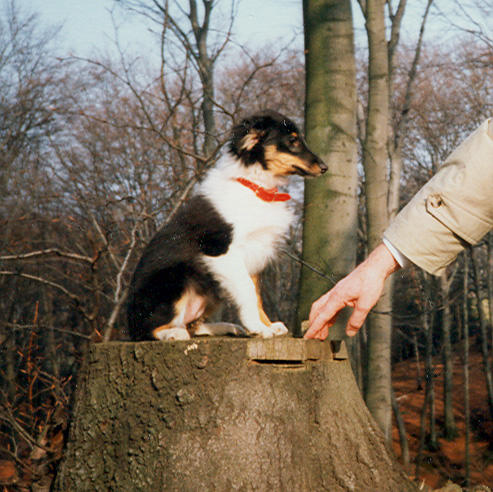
column 171, row 262
column 270, row 128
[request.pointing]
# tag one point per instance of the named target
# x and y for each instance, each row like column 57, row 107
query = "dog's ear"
column 252, row 138
column 246, row 135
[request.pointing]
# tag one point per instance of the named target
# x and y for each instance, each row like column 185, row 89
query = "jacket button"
column 435, row 201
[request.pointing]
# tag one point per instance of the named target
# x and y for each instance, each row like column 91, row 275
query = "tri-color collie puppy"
column 218, row 242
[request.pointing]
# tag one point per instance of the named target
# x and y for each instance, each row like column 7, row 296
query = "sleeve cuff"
column 398, row 256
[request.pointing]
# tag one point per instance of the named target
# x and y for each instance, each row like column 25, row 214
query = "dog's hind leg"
column 188, row 308
column 167, row 332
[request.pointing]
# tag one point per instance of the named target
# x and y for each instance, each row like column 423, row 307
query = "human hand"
column 360, row 290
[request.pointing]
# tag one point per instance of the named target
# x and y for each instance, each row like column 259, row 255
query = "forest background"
column 98, row 150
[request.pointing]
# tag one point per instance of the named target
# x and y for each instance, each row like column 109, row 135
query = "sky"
column 88, row 26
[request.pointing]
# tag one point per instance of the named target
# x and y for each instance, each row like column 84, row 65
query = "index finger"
column 323, row 313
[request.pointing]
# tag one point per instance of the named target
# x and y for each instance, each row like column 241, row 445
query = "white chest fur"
column 258, row 226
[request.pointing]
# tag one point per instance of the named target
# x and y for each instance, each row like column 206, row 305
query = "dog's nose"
column 323, row 167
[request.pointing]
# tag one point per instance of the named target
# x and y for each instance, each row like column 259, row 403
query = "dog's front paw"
column 278, row 329
column 274, row 330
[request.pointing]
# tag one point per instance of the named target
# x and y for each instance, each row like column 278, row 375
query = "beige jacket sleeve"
column 453, row 209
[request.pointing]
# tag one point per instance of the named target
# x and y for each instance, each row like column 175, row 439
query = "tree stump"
column 223, row 414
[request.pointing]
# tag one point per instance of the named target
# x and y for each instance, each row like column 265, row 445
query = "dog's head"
column 274, row 141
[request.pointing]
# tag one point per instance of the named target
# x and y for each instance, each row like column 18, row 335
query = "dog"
column 216, row 245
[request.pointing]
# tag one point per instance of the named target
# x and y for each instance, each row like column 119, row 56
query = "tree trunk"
column 467, row 402
column 450, row 429
column 419, row 383
column 376, row 191
column 430, row 368
column 223, row 414
column 429, row 400
column 483, row 329
column 207, row 108
column 490, row 282
column 205, row 67
column 402, row 430
column 399, row 127
column 330, row 212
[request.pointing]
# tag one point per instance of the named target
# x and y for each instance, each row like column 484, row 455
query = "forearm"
column 381, row 262
column 453, row 209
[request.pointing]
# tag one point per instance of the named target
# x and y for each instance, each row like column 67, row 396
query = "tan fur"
column 189, row 308
column 282, row 164
column 263, row 317
column 249, row 141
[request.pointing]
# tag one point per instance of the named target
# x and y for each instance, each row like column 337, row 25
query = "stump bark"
column 224, row 414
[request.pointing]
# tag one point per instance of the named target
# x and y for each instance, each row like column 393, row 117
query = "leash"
column 295, row 257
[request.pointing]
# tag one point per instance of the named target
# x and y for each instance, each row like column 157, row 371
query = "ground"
column 448, row 462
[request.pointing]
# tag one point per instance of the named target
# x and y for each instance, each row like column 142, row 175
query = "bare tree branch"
column 395, row 30
column 120, row 293
column 59, row 287
column 49, row 252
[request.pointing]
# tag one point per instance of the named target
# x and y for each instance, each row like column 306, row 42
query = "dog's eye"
column 293, row 139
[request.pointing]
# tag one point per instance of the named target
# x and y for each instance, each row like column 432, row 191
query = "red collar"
column 265, row 194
